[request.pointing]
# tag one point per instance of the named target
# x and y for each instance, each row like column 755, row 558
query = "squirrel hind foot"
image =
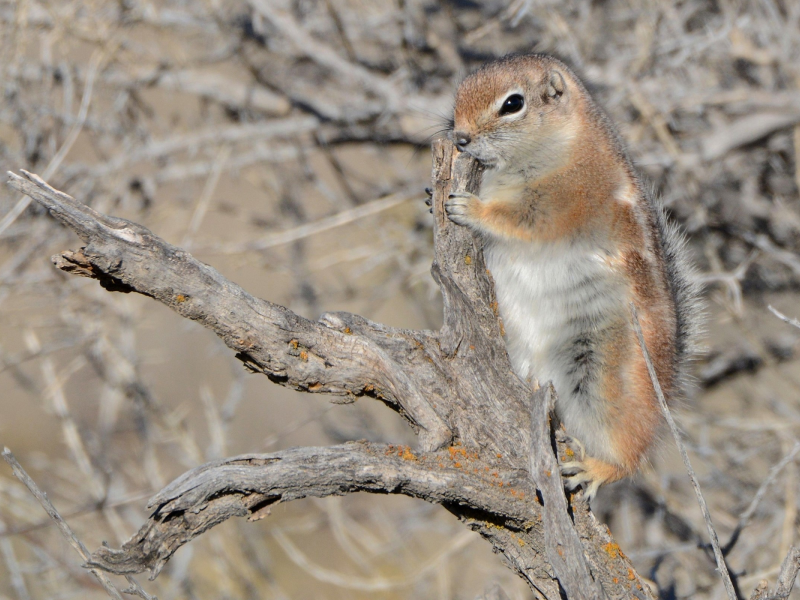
column 590, row 472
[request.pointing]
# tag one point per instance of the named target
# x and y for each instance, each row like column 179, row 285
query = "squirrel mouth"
column 487, row 162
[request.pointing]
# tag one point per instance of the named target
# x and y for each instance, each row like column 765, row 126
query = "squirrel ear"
column 556, row 85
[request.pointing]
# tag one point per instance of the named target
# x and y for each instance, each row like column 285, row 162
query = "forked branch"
column 455, row 386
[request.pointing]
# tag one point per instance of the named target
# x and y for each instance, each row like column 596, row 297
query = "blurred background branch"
column 287, row 141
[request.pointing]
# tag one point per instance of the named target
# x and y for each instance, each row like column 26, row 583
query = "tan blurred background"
column 285, row 143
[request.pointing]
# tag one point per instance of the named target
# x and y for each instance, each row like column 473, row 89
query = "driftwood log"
column 486, row 446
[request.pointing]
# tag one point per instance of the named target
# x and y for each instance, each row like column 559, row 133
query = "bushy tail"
column 686, row 290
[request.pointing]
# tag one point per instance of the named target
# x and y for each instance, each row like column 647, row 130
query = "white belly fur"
column 549, row 295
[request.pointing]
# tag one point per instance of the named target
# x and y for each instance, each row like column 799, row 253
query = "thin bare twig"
column 744, row 518
column 722, row 567
column 52, row 167
column 65, row 529
column 783, row 317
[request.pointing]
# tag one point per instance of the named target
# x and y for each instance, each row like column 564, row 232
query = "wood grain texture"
column 455, row 387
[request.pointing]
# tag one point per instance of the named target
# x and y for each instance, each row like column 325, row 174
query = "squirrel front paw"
column 462, row 208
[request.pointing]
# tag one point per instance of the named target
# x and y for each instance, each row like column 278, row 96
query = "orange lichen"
column 407, row 454
column 631, row 574
column 456, row 451
column 612, row 549
column 180, row 298
column 499, row 455
column 468, row 259
column 347, row 330
column 303, row 355
column 615, row 580
column 457, row 465
column 294, row 344
column 314, row 387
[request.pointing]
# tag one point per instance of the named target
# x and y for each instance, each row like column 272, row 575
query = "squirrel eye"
column 513, row 104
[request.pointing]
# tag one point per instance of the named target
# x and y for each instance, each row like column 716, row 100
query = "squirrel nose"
column 461, row 139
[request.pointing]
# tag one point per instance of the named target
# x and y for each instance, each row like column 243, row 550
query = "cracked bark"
column 455, row 387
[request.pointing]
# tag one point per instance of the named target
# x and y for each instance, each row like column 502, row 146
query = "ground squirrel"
column 572, row 237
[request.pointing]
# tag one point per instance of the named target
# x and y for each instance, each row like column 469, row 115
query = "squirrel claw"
column 576, row 474
column 429, row 192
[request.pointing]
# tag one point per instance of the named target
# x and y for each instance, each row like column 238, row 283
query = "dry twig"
column 676, row 434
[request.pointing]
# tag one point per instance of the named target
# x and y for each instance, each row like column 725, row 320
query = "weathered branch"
column 563, row 546
column 247, row 485
column 310, row 356
column 455, row 384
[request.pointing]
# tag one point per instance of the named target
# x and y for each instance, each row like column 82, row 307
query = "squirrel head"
column 516, row 114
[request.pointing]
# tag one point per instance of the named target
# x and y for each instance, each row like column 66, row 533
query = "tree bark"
column 480, row 449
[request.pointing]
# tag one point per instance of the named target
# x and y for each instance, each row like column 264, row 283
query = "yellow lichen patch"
column 456, row 451
column 347, row 330
column 180, row 298
column 468, row 259
column 612, row 549
column 303, row 355
column 294, row 344
column 495, row 308
column 569, row 452
column 407, row 454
